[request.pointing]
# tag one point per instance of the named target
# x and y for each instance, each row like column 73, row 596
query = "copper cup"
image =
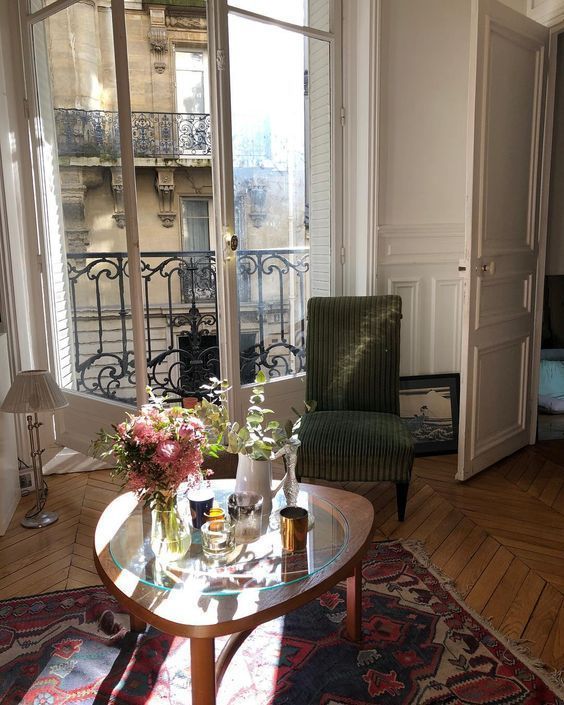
column 293, row 528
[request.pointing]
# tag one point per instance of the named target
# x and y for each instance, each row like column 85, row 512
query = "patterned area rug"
column 420, row 646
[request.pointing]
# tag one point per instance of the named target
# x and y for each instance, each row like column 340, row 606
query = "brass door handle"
column 488, row 268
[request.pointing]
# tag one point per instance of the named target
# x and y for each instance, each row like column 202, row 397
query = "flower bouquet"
column 155, row 451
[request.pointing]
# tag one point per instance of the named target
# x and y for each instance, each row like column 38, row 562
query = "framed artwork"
column 429, row 407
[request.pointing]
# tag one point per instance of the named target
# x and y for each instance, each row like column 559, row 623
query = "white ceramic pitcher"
column 256, row 476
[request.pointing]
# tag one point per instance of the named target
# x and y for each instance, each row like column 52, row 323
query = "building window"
column 195, row 218
column 191, row 81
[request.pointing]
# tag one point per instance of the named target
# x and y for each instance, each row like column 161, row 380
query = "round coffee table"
column 202, row 599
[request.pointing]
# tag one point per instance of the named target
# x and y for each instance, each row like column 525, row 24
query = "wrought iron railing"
column 95, row 133
column 181, row 319
column 281, row 312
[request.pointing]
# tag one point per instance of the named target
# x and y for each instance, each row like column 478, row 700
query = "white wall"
column 424, row 57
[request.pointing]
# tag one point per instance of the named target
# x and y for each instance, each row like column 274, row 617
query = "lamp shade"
column 33, row 390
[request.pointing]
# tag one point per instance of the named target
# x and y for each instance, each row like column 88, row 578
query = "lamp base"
column 39, row 520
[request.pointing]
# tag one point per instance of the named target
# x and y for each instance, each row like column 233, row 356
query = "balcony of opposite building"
column 93, row 135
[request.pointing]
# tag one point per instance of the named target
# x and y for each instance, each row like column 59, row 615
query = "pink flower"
column 167, row 451
column 141, row 429
column 122, row 430
column 185, row 431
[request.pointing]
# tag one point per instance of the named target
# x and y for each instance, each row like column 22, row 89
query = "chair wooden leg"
column 402, row 489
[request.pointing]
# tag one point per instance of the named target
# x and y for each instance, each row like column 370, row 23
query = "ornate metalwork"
column 181, row 317
column 280, row 301
column 180, row 322
column 95, row 133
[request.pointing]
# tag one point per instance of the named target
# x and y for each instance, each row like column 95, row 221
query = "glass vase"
column 170, row 533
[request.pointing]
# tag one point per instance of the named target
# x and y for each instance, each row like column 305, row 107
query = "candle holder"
column 218, row 538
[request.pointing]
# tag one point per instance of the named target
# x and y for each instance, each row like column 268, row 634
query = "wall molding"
column 424, row 243
column 547, row 12
column 449, row 290
column 424, row 229
column 409, row 288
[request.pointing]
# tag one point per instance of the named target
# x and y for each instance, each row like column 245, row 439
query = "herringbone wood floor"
column 499, row 536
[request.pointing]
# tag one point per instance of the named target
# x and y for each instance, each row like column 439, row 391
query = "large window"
column 195, row 214
column 191, row 81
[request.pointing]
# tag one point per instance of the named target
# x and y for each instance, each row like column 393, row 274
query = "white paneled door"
column 507, row 77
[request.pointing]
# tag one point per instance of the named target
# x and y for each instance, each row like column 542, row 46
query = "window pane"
column 282, row 180
column 82, row 194
column 83, row 191
column 195, row 225
column 308, row 13
column 190, row 82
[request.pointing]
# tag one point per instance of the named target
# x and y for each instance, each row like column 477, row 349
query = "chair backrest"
column 352, row 353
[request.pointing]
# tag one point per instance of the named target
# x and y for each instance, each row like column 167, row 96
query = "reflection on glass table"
column 261, row 564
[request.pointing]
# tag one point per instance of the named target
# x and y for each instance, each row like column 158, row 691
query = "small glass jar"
column 218, row 538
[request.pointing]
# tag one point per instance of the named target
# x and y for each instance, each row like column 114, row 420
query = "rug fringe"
column 551, row 677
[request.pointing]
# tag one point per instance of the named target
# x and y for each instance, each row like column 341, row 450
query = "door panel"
column 508, row 68
column 282, row 151
column 501, row 417
column 77, row 146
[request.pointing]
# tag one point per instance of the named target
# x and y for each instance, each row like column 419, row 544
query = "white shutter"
column 319, row 186
column 54, row 257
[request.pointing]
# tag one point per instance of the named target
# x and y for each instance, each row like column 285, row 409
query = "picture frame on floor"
column 429, row 406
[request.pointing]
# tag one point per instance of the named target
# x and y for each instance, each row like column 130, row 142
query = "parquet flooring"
column 499, row 537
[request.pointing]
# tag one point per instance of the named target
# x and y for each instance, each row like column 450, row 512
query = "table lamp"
column 33, row 391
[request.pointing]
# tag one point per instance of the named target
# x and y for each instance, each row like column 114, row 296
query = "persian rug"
column 420, row 645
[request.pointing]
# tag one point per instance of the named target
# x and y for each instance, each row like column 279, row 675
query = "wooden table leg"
column 136, row 624
column 227, row 653
column 202, row 668
column 354, row 605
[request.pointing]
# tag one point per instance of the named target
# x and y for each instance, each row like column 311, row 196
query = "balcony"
column 95, row 133
column 181, row 333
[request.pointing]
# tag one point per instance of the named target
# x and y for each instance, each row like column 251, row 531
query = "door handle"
column 488, row 268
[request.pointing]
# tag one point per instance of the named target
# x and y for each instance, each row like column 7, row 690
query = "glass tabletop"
column 262, row 564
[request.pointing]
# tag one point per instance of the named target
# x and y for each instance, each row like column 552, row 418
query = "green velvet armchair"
column 355, row 433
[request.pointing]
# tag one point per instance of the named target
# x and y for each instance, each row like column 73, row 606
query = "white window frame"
column 211, row 220
column 192, row 49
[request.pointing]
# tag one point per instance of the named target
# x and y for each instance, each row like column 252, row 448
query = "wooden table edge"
column 251, row 621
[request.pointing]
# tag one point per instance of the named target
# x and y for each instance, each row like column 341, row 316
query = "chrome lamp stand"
column 35, row 391
column 37, row 517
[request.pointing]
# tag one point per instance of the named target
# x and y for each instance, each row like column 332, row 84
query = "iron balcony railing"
column 95, row 133
column 181, row 332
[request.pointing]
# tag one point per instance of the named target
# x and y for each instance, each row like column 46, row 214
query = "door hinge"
column 342, row 255
column 26, row 108
column 40, row 263
column 343, row 115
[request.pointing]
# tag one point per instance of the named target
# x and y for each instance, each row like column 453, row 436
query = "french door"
column 118, row 178
column 275, row 67
column 508, row 75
